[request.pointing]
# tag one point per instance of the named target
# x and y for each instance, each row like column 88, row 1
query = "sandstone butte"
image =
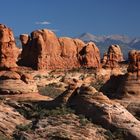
column 8, row 49
column 44, row 50
column 112, row 57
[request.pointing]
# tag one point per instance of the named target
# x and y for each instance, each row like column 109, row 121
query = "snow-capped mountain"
column 104, row 41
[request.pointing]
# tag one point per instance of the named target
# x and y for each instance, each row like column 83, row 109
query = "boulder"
column 8, row 50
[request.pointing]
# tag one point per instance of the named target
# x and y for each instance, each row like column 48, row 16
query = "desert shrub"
column 24, row 127
column 118, row 134
column 98, row 84
column 50, row 90
column 17, row 134
column 61, row 111
column 82, row 77
column 75, row 70
column 59, row 136
column 109, row 135
column 83, row 69
column 83, row 120
column 37, row 112
column 54, row 112
column 2, row 98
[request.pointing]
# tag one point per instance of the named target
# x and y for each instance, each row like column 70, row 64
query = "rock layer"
column 12, row 82
column 126, row 85
column 43, row 50
column 93, row 104
column 65, row 127
column 9, row 119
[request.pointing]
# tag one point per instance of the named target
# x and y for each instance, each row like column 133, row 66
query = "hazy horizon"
column 73, row 17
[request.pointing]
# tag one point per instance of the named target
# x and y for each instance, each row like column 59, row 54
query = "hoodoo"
column 8, row 49
column 113, row 56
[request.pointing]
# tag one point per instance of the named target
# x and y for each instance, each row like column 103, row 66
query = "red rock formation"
column 90, row 55
column 134, row 62
column 43, row 50
column 16, row 82
column 70, row 49
column 87, row 101
column 24, row 39
column 8, row 48
column 131, row 83
column 114, row 55
column 10, row 119
column 126, row 85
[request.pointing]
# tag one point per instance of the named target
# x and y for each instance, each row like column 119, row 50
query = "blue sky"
column 72, row 17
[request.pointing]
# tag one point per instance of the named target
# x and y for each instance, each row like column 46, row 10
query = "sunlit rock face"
column 88, row 101
column 8, row 49
column 125, row 85
column 112, row 57
column 16, row 82
column 43, row 50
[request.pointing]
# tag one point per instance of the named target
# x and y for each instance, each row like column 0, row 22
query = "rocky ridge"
column 93, row 104
column 9, row 119
column 43, row 50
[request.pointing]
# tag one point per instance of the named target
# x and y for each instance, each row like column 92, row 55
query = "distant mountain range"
column 18, row 42
column 103, row 42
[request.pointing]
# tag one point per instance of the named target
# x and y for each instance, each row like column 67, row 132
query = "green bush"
column 24, row 127
column 50, row 90
column 98, row 84
column 59, row 136
column 54, row 112
column 38, row 112
column 83, row 120
column 118, row 134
